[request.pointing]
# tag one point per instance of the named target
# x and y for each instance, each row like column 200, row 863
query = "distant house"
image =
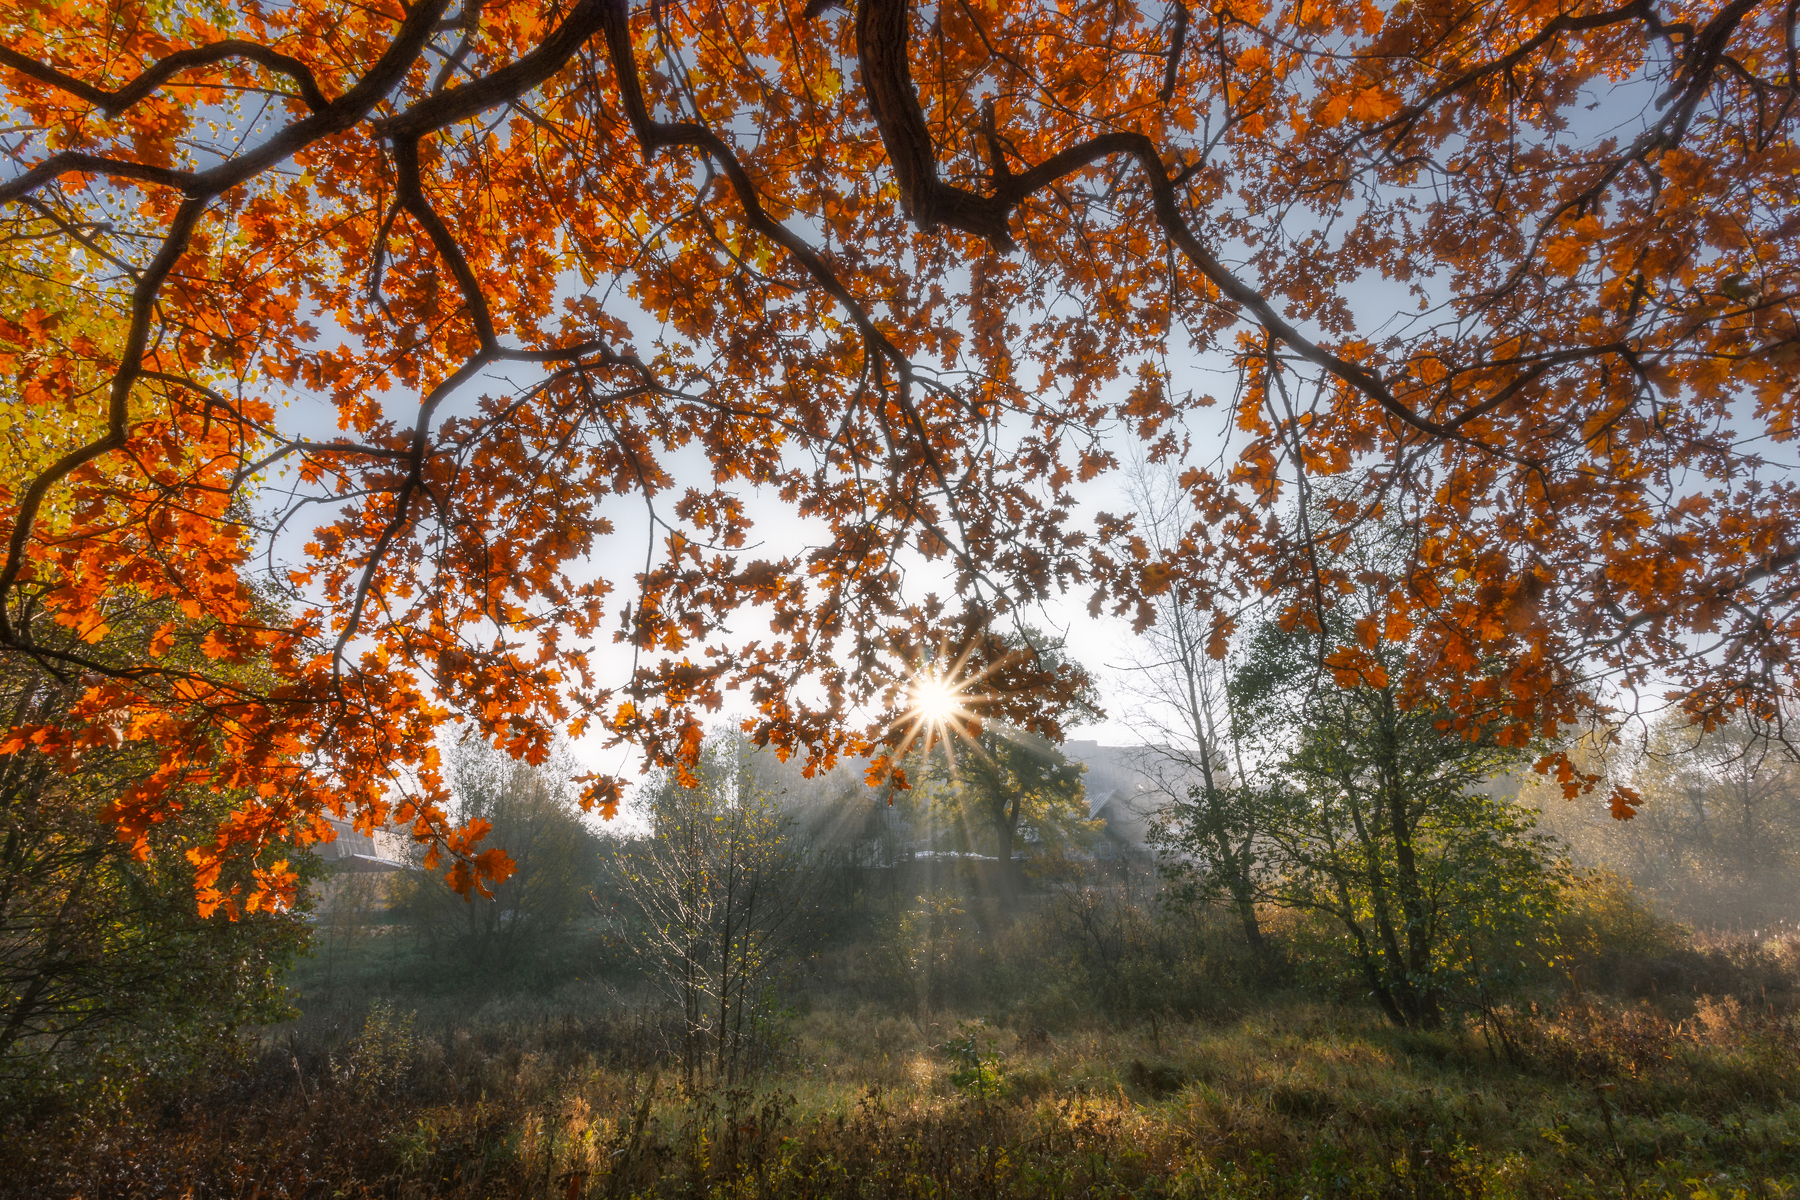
column 359, row 871
column 1118, row 791
column 361, row 853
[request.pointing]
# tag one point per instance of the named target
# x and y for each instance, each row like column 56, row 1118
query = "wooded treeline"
column 985, row 938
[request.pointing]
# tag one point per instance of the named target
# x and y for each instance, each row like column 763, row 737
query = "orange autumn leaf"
column 1372, row 104
column 1352, row 667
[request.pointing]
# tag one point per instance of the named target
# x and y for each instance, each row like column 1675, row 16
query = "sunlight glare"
column 934, row 700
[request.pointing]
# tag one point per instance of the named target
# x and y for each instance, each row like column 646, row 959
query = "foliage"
column 929, row 949
column 377, row 1062
column 1610, row 940
column 350, row 907
column 107, row 974
column 722, row 897
column 531, row 811
column 1603, row 915
column 1208, row 839
column 980, row 1071
column 1004, row 788
column 1142, row 1051
column 1716, row 839
column 987, row 784
column 909, row 275
column 1376, row 815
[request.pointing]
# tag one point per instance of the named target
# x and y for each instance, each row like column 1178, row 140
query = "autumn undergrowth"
column 1655, row 1064
column 556, row 1094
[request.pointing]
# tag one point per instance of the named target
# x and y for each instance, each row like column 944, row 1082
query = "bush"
column 1613, row 942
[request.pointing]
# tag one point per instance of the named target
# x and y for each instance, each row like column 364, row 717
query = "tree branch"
column 115, row 102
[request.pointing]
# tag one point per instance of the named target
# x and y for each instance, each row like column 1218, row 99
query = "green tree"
column 1207, row 835
column 1377, row 806
column 1374, row 813
column 928, row 944
column 533, row 812
column 1007, row 787
column 1001, row 785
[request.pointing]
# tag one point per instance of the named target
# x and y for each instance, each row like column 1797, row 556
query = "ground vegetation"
column 1093, row 1044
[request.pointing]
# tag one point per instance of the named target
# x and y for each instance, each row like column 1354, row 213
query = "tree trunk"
column 1246, row 907
column 1006, row 826
column 1234, row 860
column 1420, row 993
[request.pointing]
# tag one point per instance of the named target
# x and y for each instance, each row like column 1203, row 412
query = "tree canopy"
column 910, row 276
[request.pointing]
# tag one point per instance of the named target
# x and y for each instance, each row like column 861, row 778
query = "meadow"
column 1658, row 1064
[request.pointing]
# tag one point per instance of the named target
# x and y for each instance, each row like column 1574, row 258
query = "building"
column 360, row 853
column 1119, row 791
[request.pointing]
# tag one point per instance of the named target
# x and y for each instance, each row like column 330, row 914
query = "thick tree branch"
column 1177, row 40
column 160, row 72
column 1638, row 10
column 507, row 84
column 67, row 162
column 882, row 32
column 410, row 192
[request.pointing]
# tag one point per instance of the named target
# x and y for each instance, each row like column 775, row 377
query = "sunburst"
column 935, row 699
column 942, row 704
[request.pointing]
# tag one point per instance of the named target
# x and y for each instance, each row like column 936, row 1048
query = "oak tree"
column 908, row 272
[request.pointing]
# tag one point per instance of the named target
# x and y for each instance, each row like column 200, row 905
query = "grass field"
column 1153, row 1056
column 559, row 1091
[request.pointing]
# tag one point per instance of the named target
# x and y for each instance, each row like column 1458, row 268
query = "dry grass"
column 1307, row 1100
